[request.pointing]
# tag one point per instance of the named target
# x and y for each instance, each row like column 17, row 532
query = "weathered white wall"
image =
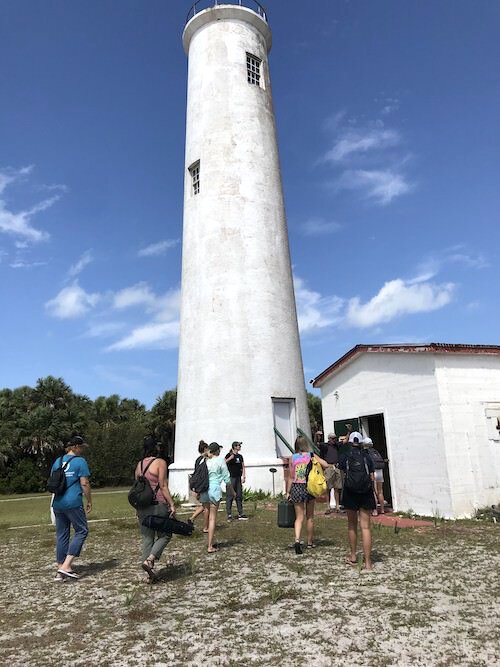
column 239, row 342
column 468, row 387
column 403, row 388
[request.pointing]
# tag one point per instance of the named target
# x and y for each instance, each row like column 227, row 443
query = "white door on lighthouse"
column 285, row 423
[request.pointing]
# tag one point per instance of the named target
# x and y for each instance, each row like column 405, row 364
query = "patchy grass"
column 433, row 600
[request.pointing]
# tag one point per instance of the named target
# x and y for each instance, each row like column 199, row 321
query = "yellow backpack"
column 316, row 482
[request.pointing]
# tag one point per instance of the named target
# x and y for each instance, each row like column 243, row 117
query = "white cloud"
column 161, row 332
column 155, row 335
column 19, row 224
column 104, row 329
column 159, row 248
column 471, row 261
column 434, row 263
column 72, row 302
column 137, row 295
column 319, row 227
column 381, row 186
column 84, row 260
column 360, row 141
column 398, row 297
column 20, row 264
column 313, row 310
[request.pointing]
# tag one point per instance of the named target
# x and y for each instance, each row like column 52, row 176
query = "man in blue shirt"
column 68, row 507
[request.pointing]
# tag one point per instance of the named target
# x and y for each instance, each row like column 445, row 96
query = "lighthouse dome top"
column 205, row 11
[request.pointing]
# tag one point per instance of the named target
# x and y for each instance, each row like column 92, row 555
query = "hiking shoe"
column 229, row 518
column 243, row 517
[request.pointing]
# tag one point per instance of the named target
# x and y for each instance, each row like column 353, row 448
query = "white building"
column 240, row 365
column 434, row 410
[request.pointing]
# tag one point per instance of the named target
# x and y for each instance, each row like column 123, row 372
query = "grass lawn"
column 433, row 600
column 34, row 509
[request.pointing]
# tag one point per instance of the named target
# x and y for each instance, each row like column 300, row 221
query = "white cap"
column 355, row 434
column 367, row 441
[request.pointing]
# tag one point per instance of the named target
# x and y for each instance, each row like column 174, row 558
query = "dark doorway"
column 376, row 430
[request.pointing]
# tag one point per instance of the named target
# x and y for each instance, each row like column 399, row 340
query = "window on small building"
column 253, row 69
column 194, row 170
column 493, row 421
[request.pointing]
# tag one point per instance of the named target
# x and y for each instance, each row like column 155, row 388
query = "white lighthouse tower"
column 240, row 365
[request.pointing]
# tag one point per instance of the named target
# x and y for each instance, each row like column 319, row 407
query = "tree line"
column 34, row 423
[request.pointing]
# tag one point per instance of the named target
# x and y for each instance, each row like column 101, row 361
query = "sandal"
column 148, row 566
column 212, row 551
column 350, row 562
column 312, row 545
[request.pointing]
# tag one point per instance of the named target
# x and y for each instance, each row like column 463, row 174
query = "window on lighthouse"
column 194, row 170
column 253, row 69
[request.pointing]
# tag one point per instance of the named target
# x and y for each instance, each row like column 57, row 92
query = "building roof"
column 405, row 348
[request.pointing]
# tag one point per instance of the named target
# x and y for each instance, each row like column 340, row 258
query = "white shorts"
column 379, row 475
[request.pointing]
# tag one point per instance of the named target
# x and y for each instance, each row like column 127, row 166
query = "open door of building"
column 285, row 422
column 376, row 431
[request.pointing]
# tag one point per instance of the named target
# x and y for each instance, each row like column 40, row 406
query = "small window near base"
column 253, row 70
column 194, row 170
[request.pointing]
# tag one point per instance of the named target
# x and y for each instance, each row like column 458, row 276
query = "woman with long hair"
column 297, row 491
column 203, row 453
column 217, row 473
column 154, row 469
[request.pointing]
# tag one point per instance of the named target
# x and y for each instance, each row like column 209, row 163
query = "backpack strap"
column 63, row 467
column 143, row 472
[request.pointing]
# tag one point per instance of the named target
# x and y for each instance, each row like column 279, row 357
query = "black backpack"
column 198, row 482
column 57, row 483
column 376, row 457
column 357, row 477
column 141, row 494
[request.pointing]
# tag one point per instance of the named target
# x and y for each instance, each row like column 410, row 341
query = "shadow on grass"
column 227, row 544
column 94, row 568
column 173, row 573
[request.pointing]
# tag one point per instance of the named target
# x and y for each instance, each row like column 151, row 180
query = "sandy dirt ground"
column 432, row 601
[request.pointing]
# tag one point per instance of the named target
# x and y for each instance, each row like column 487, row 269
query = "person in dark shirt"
column 358, row 503
column 329, row 451
column 203, row 452
column 236, row 467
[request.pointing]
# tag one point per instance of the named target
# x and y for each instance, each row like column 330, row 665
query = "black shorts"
column 298, row 494
column 358, row 501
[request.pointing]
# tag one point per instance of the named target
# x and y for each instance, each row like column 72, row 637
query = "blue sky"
column 388, row 122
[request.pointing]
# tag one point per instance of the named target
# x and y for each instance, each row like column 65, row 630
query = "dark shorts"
column 358, row 501
column 298, row 494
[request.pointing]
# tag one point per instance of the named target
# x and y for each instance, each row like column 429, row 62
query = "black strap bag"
column 168, row 525
column 357, row 477
column 57, row 482
column 198, row 482
column 141, row 494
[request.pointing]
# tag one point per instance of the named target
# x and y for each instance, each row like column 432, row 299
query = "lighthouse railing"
column 201, row 5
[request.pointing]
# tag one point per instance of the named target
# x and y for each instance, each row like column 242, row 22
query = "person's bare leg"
column 299, row 520
column 366, row 537
column 211, row 526
column 380, row 495
column 310, row 521
column 199, row 510
column 337, row 499
column 352, row 533
column 206, row 517
column 66, row 566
